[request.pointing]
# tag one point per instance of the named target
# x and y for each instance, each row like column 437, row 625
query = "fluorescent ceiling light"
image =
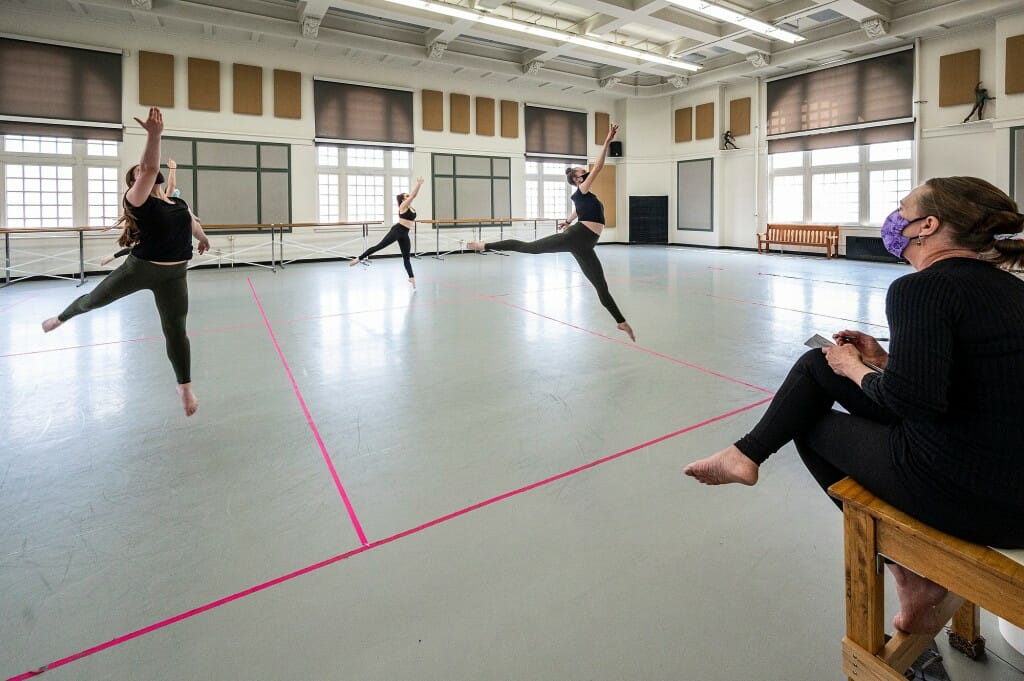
column 540, row 31
column 740, row 20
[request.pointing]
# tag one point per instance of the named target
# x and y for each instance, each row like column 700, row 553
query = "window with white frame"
column 360, row 183
column 547, row 192
column 853, row 185
column 58, row 182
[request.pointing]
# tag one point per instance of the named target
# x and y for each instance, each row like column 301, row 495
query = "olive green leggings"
column 170, row 291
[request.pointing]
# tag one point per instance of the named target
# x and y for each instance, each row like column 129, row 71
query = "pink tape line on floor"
column 309, row 419
column 380, row 542
column 614, row 340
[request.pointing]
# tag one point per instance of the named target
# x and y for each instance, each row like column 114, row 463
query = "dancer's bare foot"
column 106, row 260
column 353, row 262
column 476, row 245
column 51, row 324
column 727, row 466
column 919, row 602
column 188, row 398
column 624, row 326
column 412, row 280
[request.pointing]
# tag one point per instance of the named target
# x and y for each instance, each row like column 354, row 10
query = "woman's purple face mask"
column 892, row 233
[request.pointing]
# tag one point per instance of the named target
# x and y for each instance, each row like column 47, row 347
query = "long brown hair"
column 977, row 211
column 130, row 228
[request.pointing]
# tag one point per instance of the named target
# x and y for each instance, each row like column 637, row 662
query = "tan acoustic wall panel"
column 739, row 116
column 958, row 74
column 459, row 113
column 602, row 121
column 704, row 127
column 247, row 89
column 203, row 84
column 485, row 116
column 287, row 94
column 684, row 124
column 604, row 190
column 1015, row 65
column 156, row 79
column 433, row 110
column 509, row 118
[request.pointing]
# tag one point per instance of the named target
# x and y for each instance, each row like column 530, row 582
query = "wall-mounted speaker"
column 615, row 149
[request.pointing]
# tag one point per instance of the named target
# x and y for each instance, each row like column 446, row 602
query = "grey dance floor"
column 477, row 480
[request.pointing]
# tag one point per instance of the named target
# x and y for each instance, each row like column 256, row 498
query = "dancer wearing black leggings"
column 159, row 231
column 399, row 232
column 938, row 432
column 579, row 238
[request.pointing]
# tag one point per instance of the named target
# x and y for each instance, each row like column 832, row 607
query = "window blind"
column 860, row 98
column 359, row 113
column 72, row 86
column 556, row 132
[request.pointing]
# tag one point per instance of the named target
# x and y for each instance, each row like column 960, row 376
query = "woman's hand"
column 171, row 164
column 846, row 362
column 204, row 243
column 154, row 124
column 612, row 129
column 866, row 345
column 419, row 180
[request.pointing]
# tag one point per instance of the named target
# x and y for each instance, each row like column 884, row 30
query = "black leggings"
column 579, row 240
column 401, row 235
column 867, row 445
column 170, row 291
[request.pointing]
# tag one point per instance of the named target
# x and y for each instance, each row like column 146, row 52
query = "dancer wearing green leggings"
column 160, row 231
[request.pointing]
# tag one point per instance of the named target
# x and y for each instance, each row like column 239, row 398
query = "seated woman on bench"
column 939, row 433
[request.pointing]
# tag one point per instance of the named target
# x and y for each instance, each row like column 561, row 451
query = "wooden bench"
column 824, row 236
column 985, row 577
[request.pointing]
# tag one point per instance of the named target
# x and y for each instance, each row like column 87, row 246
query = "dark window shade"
column 362, row 114
column 845, row 138
column 866, row 91
column 70, row 84
column 554, row 131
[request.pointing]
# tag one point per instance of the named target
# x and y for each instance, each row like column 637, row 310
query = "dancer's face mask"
column 892, row 233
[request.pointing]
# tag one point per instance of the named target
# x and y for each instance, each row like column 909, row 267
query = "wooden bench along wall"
column 823, row 236
column 989, row 578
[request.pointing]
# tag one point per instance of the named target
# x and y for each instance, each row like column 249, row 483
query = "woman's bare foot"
column 51, row 324
column 106, row 260
column 412, row 280
column 188, row 398
column 727, row 466
column 353, row 262
column 624, row 326
column 476, row 245
column 919, row 600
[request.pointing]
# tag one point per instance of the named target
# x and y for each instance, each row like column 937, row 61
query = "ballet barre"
column 50, row 234
column 217, row 255
column 479, row 224
column 358, row 231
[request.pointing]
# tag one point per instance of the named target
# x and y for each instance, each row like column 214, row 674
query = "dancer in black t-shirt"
column 159, row 231
column 578, row 239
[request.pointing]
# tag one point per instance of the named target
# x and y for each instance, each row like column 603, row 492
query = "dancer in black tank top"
column 399, row 232
column 579, row 238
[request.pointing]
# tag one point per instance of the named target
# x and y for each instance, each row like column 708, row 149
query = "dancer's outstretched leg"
column 553, row 243
column 591, row 267
column 171, row 298
column 123, row 281
column 391, row 237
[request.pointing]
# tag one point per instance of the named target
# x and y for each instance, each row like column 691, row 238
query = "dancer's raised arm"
column 149, row 164
column 599, row 163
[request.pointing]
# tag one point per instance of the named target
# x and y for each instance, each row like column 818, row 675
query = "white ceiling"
column 382, row 31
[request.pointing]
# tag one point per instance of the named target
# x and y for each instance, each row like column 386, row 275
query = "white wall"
column 648, row 167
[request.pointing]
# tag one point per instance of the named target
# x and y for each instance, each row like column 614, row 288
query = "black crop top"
column 408, row 215
column 588, row 207
column 165, row 230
